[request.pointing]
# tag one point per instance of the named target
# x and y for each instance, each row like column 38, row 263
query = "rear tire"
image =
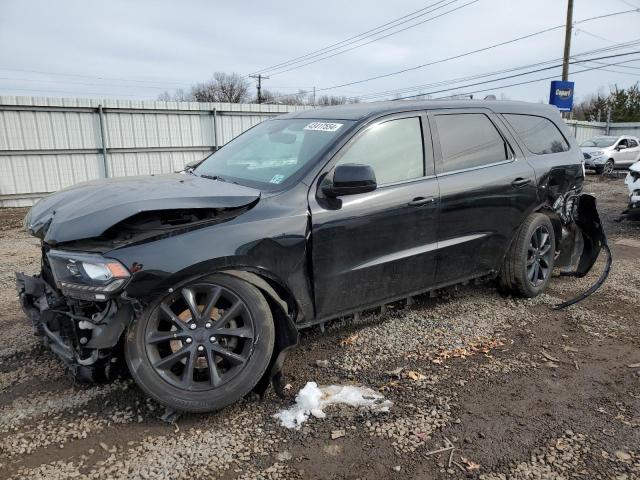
column 528, row 264
column 202, row 346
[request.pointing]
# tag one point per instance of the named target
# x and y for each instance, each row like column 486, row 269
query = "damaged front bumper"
column 84, row 334
column 632, row 181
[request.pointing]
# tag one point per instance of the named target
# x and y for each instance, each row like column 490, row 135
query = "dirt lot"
column 521, row 391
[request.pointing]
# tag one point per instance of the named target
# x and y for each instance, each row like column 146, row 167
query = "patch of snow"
column 312, row 400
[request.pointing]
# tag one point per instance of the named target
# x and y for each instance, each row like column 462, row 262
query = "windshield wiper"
column 218, row 177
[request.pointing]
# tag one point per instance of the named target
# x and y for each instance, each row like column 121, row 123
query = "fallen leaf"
column 349, row 340
column 415, row 376
column 634, row 365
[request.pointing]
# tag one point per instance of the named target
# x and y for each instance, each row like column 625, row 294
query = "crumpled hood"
column 88, row 209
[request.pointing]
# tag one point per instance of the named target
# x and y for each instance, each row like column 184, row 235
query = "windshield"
column 599, row 142
column 272, row 151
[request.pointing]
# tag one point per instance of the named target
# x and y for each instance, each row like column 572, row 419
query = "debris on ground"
column 479, row 345
column 312, row 400
column 349, row 340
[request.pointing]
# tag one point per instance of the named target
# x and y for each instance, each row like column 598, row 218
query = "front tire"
column 528, row 264
column 202, row 346
column 608, row 167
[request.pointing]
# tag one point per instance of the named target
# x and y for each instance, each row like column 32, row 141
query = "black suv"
column 202, row 279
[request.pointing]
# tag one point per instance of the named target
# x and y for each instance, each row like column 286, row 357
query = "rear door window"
column 469, row 140
column 540, row 135
column 632, row 143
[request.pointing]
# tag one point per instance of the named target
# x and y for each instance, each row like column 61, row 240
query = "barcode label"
column 323, row 126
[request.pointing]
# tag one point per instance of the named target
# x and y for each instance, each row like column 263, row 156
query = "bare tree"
column 300, row 98
column 327, row 100
column 224, row 87
column 178, row 96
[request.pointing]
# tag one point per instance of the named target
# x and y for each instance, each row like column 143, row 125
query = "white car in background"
column 606, row 153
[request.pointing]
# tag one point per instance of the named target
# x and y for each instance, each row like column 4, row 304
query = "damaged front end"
column 77, row 303
column 582, row 239
column 73, row 308
column 632, row 181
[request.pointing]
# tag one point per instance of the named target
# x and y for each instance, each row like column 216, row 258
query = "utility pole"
column 259, row 77
column 314, row 96
column 567, row 42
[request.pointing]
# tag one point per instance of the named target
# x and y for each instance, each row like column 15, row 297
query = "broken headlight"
column 87, row 276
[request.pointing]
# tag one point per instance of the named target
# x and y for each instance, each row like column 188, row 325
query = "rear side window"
column 540, row 135
column 632, row 143
column 393, row 149
column 469, row 140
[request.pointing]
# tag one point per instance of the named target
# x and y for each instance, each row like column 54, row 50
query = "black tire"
column 519, row 274
column 233, row 326
column 608, row 167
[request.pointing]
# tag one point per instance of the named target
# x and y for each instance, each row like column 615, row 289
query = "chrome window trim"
column 479, row 167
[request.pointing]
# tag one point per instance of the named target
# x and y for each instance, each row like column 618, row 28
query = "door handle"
column 520, row 182
column 419, row 201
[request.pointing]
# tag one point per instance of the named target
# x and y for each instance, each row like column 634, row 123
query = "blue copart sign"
column 561, row 95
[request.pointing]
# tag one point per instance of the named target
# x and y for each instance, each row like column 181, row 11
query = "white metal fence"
column 50, row 143
column 585, row 130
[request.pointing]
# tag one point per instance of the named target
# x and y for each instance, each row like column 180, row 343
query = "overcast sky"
column 137, row 49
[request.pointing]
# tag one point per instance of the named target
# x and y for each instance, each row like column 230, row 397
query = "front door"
column 379, row 245
column 486, row 189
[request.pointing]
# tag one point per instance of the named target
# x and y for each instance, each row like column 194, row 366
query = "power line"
column 522, row 74
column 378, row 38
column 526, row 82
column 93, row 77
column 604, row 69
column 465, row 54
column 67, row 82
column 387, row 93
column 74, row 92
column 625, row 66
column 351, row 39
column 578, row 30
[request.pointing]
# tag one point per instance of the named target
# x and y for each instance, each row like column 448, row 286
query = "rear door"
column 373, row 246
column 486, row 190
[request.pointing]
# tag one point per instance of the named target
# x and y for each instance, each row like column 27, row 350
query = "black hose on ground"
column 595, row 286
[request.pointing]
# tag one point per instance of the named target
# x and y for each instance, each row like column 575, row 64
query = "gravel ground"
column 509, row 388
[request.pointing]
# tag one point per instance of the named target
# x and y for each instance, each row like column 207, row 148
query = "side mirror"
column 350, row 178
column 621, row 147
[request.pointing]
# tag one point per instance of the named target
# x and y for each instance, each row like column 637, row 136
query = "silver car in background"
column 606, row 153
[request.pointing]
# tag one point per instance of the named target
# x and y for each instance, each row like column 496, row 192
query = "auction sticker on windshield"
column 323, row 126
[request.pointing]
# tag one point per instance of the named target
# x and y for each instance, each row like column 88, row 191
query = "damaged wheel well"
column 281, row 304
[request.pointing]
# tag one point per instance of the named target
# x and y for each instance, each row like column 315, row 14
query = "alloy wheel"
column 539, row 256
column 608, row 168
column 200, row 337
